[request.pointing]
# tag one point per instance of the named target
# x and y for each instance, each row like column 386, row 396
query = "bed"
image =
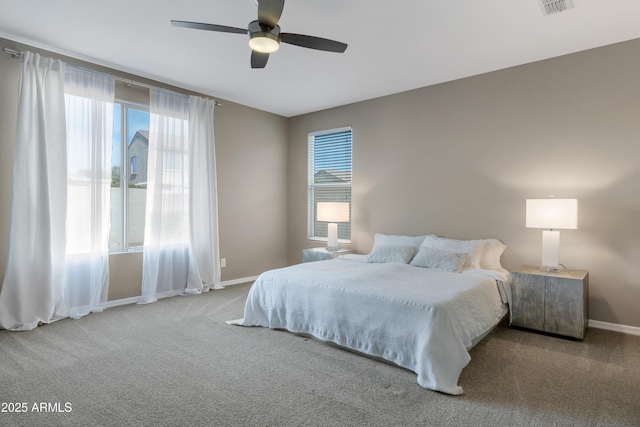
column 424, row 319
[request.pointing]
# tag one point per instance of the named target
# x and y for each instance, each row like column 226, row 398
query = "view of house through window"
column 128, row 176
column 329, row 178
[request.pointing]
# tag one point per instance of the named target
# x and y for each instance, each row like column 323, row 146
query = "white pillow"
column 439, row 259
column 491, row 253
column 473, row 249
column 388, row 253
column 395, row 240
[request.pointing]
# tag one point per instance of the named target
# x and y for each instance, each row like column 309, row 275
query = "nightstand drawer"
column 527, row 294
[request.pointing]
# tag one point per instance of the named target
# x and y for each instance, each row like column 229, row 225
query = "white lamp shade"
column 552, row 213
column 333, row 211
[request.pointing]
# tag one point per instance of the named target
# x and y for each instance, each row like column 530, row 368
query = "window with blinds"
column 329, row 178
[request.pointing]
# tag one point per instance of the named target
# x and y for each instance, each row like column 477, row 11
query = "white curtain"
column 33, row 286
column 204, row 266
column 45, row 278
column 180, row 242
column 89, row 100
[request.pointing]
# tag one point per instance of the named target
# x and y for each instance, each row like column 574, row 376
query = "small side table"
column 554, row 302
column 321, row 254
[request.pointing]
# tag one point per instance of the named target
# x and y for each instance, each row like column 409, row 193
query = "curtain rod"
column 127, row 82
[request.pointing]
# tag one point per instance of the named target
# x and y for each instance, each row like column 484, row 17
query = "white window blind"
column 330, row 160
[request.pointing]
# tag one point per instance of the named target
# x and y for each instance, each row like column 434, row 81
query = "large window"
column 129, row 176
column 329, row 178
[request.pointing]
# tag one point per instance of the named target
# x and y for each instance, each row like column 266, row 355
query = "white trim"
column 631, row 330
column 123, row 301
column 239, row 281
column 135, row 300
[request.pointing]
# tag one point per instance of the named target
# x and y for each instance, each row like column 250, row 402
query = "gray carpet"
column 175, row 363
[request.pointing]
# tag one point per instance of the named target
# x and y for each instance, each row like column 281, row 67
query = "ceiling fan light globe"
column 264, row 43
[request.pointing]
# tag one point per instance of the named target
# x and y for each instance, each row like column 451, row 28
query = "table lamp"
column 332, row 212
column 551, row 214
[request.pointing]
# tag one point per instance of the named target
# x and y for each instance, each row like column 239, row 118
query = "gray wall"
column 251, row 151
column 459, row 159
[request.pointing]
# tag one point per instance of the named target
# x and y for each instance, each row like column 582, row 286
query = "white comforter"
column 421, row 319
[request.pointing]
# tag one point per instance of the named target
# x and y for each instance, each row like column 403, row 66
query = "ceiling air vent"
column 550, row 7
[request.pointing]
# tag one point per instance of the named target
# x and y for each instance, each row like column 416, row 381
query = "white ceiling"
column 394, row 46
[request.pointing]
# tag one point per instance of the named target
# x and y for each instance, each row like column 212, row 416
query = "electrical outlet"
column 223, row 262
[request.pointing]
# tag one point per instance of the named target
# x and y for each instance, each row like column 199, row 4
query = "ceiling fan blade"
column 312, row 42
column 208, row 27
column 269, row 12
column 259, row 60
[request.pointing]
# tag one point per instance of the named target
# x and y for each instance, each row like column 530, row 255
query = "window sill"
column 324, row 239
column 130, row 251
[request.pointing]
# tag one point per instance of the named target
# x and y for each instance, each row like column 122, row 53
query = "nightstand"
column 320, row 254
column 554, row 302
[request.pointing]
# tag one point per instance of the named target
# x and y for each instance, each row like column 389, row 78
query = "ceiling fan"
column 265, row 36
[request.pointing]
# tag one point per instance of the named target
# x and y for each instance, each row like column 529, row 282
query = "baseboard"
column 239, row 281
column 123, row 301
column 631, row 330
column 135, row 300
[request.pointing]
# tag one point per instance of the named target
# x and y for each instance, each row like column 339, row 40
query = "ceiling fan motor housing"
column 262, row 38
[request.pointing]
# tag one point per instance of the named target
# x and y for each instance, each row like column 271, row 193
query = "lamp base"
column 332, row 237
column 550, row 248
